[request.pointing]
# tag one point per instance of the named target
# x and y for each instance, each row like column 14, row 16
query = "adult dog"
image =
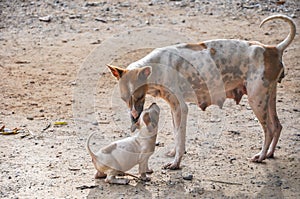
column 207, row 73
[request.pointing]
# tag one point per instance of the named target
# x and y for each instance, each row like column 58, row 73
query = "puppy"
column 120, row 156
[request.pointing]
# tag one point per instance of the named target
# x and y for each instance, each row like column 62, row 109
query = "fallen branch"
column 87, row 187
column 224, row 182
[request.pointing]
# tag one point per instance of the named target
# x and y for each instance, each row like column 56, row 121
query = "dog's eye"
column 136, row 99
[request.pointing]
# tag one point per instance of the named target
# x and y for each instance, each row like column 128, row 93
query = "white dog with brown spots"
column 207, row 73
column 120, row 156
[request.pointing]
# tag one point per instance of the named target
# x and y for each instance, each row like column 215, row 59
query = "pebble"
column 46, row 18
column 96, row 42
column 95, row 123
column 188, row 177
column 101, row 20
column 29, row 118
column 231, row 160
column 91, row 4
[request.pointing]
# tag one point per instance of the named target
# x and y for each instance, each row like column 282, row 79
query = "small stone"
column 30, row 118
column 91, row 4
column 45, row 19
column 101, row 20
column 95, row 123
column 96, row 42
column 72, row 16
column 188, row 177
column 125, row 4
column 231, row 160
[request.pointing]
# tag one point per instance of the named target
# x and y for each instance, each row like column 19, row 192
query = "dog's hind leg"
column 276, row 127
column 258, row 97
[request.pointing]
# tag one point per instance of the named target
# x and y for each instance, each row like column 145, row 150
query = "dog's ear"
column 116, row 71
column 145, row 72
column 135, row 126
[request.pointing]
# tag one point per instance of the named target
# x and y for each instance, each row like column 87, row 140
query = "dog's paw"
column 171, row 153
column 270, row 155
column 171, row 166
column 149, row 171
column 258, row 158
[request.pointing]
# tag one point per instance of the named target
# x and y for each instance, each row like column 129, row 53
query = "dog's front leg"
column 179, row 115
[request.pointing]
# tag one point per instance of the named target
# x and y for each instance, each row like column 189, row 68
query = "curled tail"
column 88, row 146
column 288, row 40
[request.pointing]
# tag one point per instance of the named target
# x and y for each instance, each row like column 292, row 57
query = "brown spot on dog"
column 273, row 64
column 212, row 51
column 196, row 47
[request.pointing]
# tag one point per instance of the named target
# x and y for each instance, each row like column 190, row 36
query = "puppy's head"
column 149, row 118
column 133, row 88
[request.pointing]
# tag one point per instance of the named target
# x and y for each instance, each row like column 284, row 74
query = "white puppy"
column 120, row 156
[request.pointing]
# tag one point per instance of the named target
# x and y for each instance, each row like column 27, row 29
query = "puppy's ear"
column 147, row 119
column 116, row 71
column 145, row 72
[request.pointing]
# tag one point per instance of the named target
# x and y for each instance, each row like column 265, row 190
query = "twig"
column 128, row 174
column 87, row 187
column 48, row 126
column 224, row 182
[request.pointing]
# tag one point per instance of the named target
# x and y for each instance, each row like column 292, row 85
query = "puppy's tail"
column 288, row 40
column 88, row 146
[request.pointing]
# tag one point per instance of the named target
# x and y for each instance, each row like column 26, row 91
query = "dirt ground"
column 52, row 69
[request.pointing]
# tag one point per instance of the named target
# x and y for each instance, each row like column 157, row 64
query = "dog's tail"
column 288, row 40
column 94, row 157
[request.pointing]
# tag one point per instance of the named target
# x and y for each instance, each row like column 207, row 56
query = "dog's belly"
column 126, row 155
column 205, row 73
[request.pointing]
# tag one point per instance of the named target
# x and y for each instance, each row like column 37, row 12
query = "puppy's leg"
column 143, row 167
column 179, row 113
column 100, row 175
column 258, row 97
column 111, row 179
column 148, row 170
column 274, row 122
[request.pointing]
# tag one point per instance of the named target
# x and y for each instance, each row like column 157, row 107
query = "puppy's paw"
column 100, row 175
column 145, row 178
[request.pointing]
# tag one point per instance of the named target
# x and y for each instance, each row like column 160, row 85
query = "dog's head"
column 133, row 88
column 149, row 118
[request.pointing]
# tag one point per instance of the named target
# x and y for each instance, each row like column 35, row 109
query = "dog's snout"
column 134, row 113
